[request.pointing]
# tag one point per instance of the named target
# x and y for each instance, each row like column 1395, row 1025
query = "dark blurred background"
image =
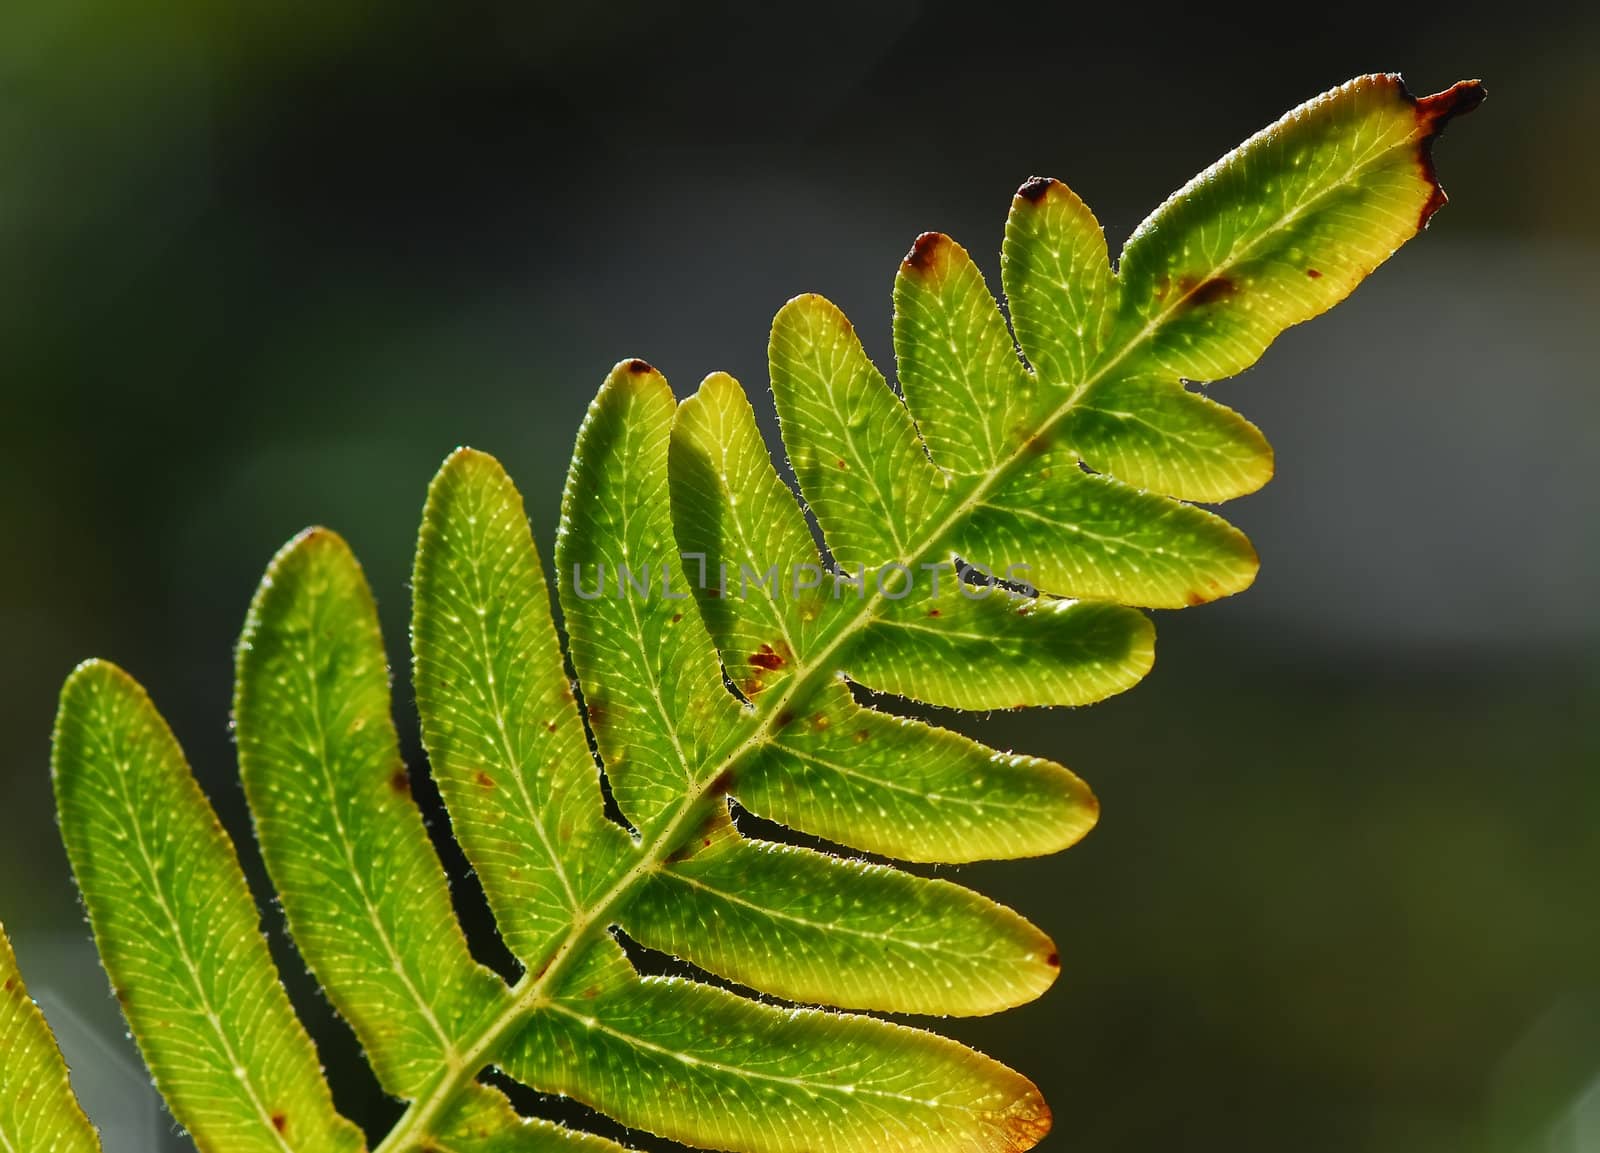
column 262, row 266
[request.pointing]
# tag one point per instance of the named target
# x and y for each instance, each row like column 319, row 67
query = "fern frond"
column 989, row 536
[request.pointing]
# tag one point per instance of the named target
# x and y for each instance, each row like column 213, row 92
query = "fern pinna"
column 991, row 534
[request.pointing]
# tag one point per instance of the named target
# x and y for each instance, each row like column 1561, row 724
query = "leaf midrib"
column 532, row 990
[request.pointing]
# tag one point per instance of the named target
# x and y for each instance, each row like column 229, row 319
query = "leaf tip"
column 90, row 676
column 1035, row 188
column 811, row 308
column 1433, row 113
column 1027, row 1122
column 465, row 456
column 929, row 253
column 91, row 668
column 314, row 538
column 1457, row 100
column 635, row 377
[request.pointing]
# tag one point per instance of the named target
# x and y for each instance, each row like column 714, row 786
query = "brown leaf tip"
column 1433, row 113
column 1457, row 100
column 927, row 253
column 1027, row 1122
column 639, row 367
column 1035, row 189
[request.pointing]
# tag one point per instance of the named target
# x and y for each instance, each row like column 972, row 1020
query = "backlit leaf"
column 343, row 841
column 983, row 534
column 38, row 1110
column 178, row 933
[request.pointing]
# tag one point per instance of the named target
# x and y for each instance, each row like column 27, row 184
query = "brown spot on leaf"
column 1195, row 598
column 784, row 719
column 767, row 658
column 720, row 786
column 400, row 781
column 280, row 1122
column 1313, row 274
column 639, row 367
column 591, row 992
column 1053, row 960
column 485, row 780
column 1212, row 290
column 1035, row 188
column 820, row 721
column 927, row 252
column 936, row 612
column 11, row 983
column 1433, row 113
column 1037, row 444
column 597, row 715
column 549, row 726
column 861, row 736
column 842, row 463
column 676, row 617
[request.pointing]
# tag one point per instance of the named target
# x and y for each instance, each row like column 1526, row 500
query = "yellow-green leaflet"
column 38, row 1111
column 178, row 933
column 365, row 894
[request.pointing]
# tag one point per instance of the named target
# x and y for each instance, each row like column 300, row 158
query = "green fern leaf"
column 177, row 930
column 365, row 895
column 989, row 535
column 38, row 1110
